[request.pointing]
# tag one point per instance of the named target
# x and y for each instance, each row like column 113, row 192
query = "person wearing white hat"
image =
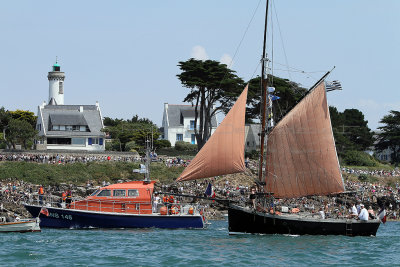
column 363, row 216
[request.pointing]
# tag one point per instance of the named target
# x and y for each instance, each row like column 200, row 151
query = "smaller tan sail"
column 301, row 154
column 224, row 151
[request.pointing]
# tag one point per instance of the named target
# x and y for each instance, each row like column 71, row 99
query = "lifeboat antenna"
column 147, row 173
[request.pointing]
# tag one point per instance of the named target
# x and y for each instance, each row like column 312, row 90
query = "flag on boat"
column 274, row 97
column 209, row 191
column 44, row 211
column 334, row 85
column 382, row 215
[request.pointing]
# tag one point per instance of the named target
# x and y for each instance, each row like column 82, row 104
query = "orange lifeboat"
column 130, row 197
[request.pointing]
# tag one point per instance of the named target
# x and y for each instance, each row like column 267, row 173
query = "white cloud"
column 368, row 103
column 372, row 104
column 227, row 60
column 199, row 53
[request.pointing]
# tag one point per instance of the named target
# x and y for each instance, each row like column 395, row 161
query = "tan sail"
column 301, row 154
column 224, row 151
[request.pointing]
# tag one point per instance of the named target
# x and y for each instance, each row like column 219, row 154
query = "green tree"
column 162, row 144
column 357, row 129
column 137, row 119
column 137, row 130
column 24, row 115
column 5, row 117
column 210, row 83
column 20, row 131
column 111, row 122
column 288, row 91
column 2, row 142
column 389, row 137
column 350, row 130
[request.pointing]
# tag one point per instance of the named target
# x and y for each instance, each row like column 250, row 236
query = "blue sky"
column 124, row 54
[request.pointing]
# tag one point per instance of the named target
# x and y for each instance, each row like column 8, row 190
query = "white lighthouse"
column 56, row 85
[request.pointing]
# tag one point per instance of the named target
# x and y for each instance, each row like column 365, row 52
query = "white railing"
column 117, row 206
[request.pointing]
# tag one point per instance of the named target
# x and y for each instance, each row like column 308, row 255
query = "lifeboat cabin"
column 131, row 197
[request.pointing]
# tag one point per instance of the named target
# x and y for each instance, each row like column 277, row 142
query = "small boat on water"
column 22, row 225
column 123, row 205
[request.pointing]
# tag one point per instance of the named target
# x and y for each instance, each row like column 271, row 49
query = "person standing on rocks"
column 41, row 194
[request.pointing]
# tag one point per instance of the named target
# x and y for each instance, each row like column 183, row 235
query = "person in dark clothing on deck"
column 69, row 198
column 253, row 197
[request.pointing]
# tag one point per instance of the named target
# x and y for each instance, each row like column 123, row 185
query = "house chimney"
column 81, row 109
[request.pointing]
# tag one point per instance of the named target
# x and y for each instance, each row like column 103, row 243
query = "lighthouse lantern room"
column 56, row 85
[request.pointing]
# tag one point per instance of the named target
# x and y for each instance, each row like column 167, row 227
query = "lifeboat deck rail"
column 118, row 206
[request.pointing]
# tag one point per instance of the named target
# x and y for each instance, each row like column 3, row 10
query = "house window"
column 95, row 141
column 193, row 139
column 248, row 143
column 192, row 125
column 68, row 127
column 181, row 119
column 39, row 127
column 179, row 137
column 58, row 141
column 56, row 127
column 78, row 141
column 62, row 127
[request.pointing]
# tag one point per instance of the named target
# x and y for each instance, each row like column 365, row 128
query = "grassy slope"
column 79, row 173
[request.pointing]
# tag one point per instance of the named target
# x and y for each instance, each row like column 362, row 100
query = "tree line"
column 17, row 127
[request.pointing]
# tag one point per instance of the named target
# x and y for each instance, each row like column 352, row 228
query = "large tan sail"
column 301, row 154
column 224, row 151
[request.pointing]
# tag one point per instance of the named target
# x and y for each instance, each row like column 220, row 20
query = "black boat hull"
column 243, row 220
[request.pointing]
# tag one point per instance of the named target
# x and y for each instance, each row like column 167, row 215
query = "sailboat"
column 300, row 160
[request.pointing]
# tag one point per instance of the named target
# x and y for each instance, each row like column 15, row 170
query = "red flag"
column 382, row 215
column 44, row 211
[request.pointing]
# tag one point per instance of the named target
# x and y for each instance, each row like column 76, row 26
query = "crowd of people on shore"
column 379, row 173
column 65, row 159
column 57, row 158
column 175, row 162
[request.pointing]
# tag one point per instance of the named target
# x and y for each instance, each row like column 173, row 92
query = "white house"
column 68, row 127
column 178, row 123
column 252, row 139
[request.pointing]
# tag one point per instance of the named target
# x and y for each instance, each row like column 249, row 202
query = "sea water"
column 209, row 247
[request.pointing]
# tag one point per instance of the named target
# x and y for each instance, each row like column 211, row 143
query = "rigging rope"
column 241, row 41
column 280, row 34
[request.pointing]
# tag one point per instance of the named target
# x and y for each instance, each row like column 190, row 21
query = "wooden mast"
column 264, row 98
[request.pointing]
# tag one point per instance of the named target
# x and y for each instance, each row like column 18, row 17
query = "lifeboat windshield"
column 104, row 193
column 95, row 192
